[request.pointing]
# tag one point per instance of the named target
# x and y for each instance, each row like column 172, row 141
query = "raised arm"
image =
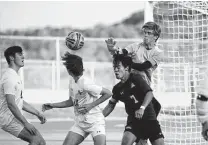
column 142, row 66
column 111, row 45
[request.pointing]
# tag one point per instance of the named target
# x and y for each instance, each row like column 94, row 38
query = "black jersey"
column 132, row 94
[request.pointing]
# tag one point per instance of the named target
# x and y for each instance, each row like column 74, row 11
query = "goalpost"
column 184, row 33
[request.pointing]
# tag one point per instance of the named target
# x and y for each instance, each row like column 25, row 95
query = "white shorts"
column 14, row 127
column 96, row 129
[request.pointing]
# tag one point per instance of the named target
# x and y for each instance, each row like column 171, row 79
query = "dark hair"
column 123, row 58
column 153, row 26
column 73, row 63
column 11, row 52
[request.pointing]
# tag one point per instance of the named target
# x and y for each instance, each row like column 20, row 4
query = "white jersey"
column 85, row 91
column 139, row 54
column 202, row 89
column 10, row 84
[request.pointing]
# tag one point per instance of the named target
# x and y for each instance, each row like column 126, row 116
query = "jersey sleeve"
column 9, row 86
column 116, row 94
column 131, row 48
column 91, row 87
column 157, row 57
column 140, row 84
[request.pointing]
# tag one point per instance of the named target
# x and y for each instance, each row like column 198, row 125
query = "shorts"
column 144, row 129
column 96, row 129
column 14, row 127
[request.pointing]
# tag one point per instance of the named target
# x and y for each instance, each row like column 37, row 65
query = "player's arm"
column 17, row 114
column 142, row 66
column 63, row 104
column 105, row 94
column 146, row 91
column 110, row 107
column 14, row 109
column 30, row 109
column 147, row 99
column 111, row 45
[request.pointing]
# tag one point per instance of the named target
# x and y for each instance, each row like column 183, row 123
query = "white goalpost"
column 184, row 42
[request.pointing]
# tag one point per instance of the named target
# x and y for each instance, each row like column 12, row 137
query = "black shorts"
column 144, row 129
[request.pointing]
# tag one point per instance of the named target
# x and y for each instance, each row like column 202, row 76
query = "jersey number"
column 135, row 100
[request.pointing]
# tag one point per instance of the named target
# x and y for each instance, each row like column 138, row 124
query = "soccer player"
column 12, row 102
column 202, row 105
column 84, row 95
column 145, row 55
column 136, row 94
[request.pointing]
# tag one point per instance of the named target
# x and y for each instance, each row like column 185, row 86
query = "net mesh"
column 184, row 33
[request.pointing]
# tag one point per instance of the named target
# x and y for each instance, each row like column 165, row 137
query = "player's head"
column 14, row 54
column 73, row 64
column 122, row 64
column 151, row 32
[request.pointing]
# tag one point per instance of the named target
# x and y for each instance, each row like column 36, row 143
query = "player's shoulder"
column 85, row 80
column 116, row 87
column 135, row 77
column 158, row 49
column 134, row 45
column 9, row 74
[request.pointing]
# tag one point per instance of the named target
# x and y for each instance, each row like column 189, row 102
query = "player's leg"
column 99, row 139
column 128, row 138
column 17, row 129
column 32, row 139
column 159, row 141
column 142, row 142
column 75, row 136
column 131, row 134
column 98, row 134
column 154, row 132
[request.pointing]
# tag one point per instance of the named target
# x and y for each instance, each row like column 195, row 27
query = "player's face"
column 119, row 70
column 149, row 36
column 19, row 59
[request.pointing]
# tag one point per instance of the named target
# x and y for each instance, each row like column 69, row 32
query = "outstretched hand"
column 47, row 106
column 111, row 45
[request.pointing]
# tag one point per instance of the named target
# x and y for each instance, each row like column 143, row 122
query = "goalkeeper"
column 202, row 105
column 145, row 55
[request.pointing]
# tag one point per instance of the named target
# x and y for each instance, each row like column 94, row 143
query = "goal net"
column 184, row 33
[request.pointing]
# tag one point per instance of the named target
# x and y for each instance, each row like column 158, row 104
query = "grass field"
column 179, row 126
column 54, row 133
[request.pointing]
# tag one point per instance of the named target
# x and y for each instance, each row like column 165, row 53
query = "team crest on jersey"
column 132, row 85
column 81, row 91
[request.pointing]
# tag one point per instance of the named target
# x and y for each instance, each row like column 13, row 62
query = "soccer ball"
column 74, row 40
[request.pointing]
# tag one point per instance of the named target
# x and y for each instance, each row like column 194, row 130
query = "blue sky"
column 78, row 14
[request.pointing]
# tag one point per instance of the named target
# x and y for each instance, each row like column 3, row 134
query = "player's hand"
column 30, row 128
column 110, row 44
column 84, row 108
column 47, row 106
column 205, row 130
column 139, row 113
column 42, row 118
